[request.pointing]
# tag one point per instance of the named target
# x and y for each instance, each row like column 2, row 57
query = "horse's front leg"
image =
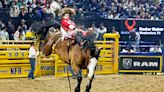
column 79, row 78
column 91, row 68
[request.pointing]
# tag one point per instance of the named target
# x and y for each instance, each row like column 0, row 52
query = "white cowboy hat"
column 55, row 6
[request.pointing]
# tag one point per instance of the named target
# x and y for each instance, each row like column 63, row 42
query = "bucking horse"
column 70, row 53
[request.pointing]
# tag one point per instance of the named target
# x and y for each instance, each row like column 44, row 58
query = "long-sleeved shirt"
column 14, row 11
column 67, row 24
column 16, row 36
column 4, row 35
column 103, row 30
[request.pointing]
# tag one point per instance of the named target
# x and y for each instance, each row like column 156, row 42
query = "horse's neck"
column 56, row 44
column 61, row 49
column 55, row 36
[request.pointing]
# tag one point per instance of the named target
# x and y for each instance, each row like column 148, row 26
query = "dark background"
column 119, row 24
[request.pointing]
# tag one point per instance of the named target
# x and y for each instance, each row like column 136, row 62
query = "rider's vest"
column 67, row 24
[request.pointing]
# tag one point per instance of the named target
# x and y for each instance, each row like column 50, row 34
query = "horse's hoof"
column 87, row 89
column 77, row 90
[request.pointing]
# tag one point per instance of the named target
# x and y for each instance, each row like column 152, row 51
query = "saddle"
column 85, row 43
column 69, row 41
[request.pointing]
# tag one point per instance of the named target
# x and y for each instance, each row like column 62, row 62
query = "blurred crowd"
column 144, row 9
column 141, row 9
column 16, row 16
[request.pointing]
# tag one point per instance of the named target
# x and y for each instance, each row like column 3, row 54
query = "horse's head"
column 41, row 29
column 50, row 39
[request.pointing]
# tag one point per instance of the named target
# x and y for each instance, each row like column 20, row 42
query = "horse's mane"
column 51, row 38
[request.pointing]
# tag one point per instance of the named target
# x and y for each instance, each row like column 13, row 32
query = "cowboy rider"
column 69, row 29
column 68, row 26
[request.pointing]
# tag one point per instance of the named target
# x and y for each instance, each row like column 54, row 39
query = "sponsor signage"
column 48, row 68
column 150, row 30
column 16, row 70
column 147, row 31
column 146, row 28
column 139, row 63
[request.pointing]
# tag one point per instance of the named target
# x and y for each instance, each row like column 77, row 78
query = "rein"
column 69, row 80
column 57, row 42
column 53, row 47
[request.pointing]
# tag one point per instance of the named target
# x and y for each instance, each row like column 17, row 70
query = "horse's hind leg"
column 88, row 87
column 79, row 78
column 91, row 68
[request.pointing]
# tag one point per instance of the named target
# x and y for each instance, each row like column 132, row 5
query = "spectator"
column 14, row 10
column 24, row 26
column 14, row 13
column 29, row 17
column 94, row 6
column 19, row 3
column 143, row 9
column 134, row 38
column 33, row 5
column 45, row 15
column 95, row 33
column 17, row 34
column 115, row 15
column 156, row 49
column 68, row 2
column 37, row 15
column 1, row 24
column 22, row 12
column 101, row 31
column 1, row 8
column 114, row 30
column 38, row 7
column 11, row 29
column 4, row 34
column 110, row 15
column 29, row 1
column 22, row 35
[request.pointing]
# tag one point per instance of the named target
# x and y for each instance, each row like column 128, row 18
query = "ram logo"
column 127, row 63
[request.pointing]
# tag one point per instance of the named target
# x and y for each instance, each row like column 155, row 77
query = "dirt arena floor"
column 101, row 83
